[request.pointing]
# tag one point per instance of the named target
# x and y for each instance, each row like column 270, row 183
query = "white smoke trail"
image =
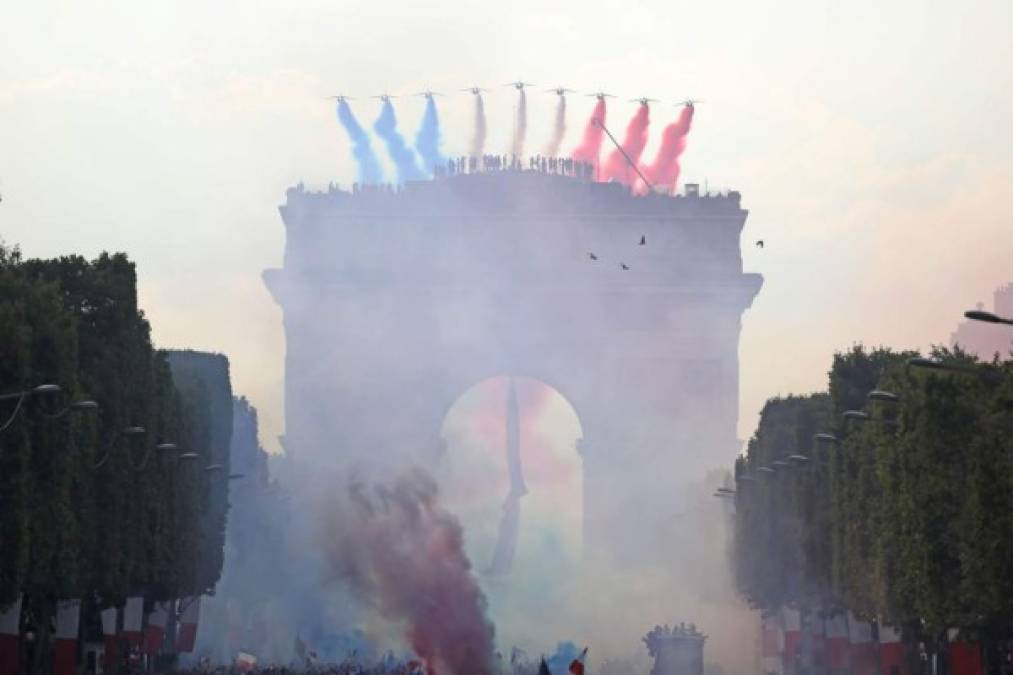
column 522, row 125
column 478, row 141
column 559, row 130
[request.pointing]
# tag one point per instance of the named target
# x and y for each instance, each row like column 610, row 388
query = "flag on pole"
column 133, row 615
column 68, row 624
column 186, row 635
column 10, row 631
column 154, row 633
column 245, row 662
column 577, row 666
column 109, row 617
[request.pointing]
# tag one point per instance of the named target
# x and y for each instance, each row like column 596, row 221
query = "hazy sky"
column 870, row 140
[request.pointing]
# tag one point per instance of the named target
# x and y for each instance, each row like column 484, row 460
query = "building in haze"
column 985, row 339
column 396, row 301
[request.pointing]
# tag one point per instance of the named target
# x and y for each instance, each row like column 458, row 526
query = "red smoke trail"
column 665, row 169
column 403, row 555
column 590, row 146
column 616, row 167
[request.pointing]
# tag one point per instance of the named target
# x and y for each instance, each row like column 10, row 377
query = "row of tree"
column 89, row 509
column 897, row 507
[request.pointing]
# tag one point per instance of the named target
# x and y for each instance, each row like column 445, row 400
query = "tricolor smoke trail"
column 403, row 555
column 478, row 140
column 402, row 156
column 559, row 129
column 590, row 145
column 427, row 141
column 616, row 167
column 521, row 128
column 665, row 169
column 362, row 150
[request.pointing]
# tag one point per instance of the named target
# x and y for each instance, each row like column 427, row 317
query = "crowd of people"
column 563, row 166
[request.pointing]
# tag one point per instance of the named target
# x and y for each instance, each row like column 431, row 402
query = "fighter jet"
column 592, row 256
column 429, row 93
column 475, row 90
column 561, row 91
column 384, row 97
column 600, row 95
column 518, row 85
column 643, row 240
column 624, row 267
column 759, row 243
column 689, row 102
column 341, row 97
column 644, row 100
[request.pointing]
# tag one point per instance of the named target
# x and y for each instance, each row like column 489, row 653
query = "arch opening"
column 512, row 475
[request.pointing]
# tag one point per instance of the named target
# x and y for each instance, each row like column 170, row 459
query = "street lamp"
column 186, row 456
column 824, row 437
column 801, row 459
column 987, row 317
column 855, row 415
column 932, row 364
column 765, row 470
column 883, row 396
column 129, row 432
column 213, row 467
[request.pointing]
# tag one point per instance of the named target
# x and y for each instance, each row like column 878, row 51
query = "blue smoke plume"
column 427, row 141
column 369, row 167
column 402, row 156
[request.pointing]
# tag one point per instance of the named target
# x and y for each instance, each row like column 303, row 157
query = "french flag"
column 68, row 624
column 838, row 645
column 891, row 651
column 133, row 617
column 10, row 630
column 154, row 633
column 109, row 619
column 186, row 636
column 863, row 649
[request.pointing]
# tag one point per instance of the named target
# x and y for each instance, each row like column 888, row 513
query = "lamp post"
column 987, row 317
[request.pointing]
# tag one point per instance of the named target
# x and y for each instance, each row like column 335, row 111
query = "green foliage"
column 909, row 518
column 86, row 509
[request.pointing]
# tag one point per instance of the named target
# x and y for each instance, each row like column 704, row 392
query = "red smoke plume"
column 616, row 167
column 404, row 556
column 590, row 146
column 665, row 169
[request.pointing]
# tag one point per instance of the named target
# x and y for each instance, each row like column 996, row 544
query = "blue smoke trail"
column 369, row 167
column 402, row 156
column 427, row 141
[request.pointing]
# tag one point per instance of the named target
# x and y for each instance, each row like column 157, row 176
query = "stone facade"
column 395, row 302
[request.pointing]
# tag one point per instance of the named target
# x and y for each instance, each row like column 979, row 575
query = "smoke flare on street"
column 402, row 554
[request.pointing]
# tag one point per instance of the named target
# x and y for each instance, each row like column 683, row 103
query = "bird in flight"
column 623, row 267
column 592, row 256
column 759, row 242
column 643, row 239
